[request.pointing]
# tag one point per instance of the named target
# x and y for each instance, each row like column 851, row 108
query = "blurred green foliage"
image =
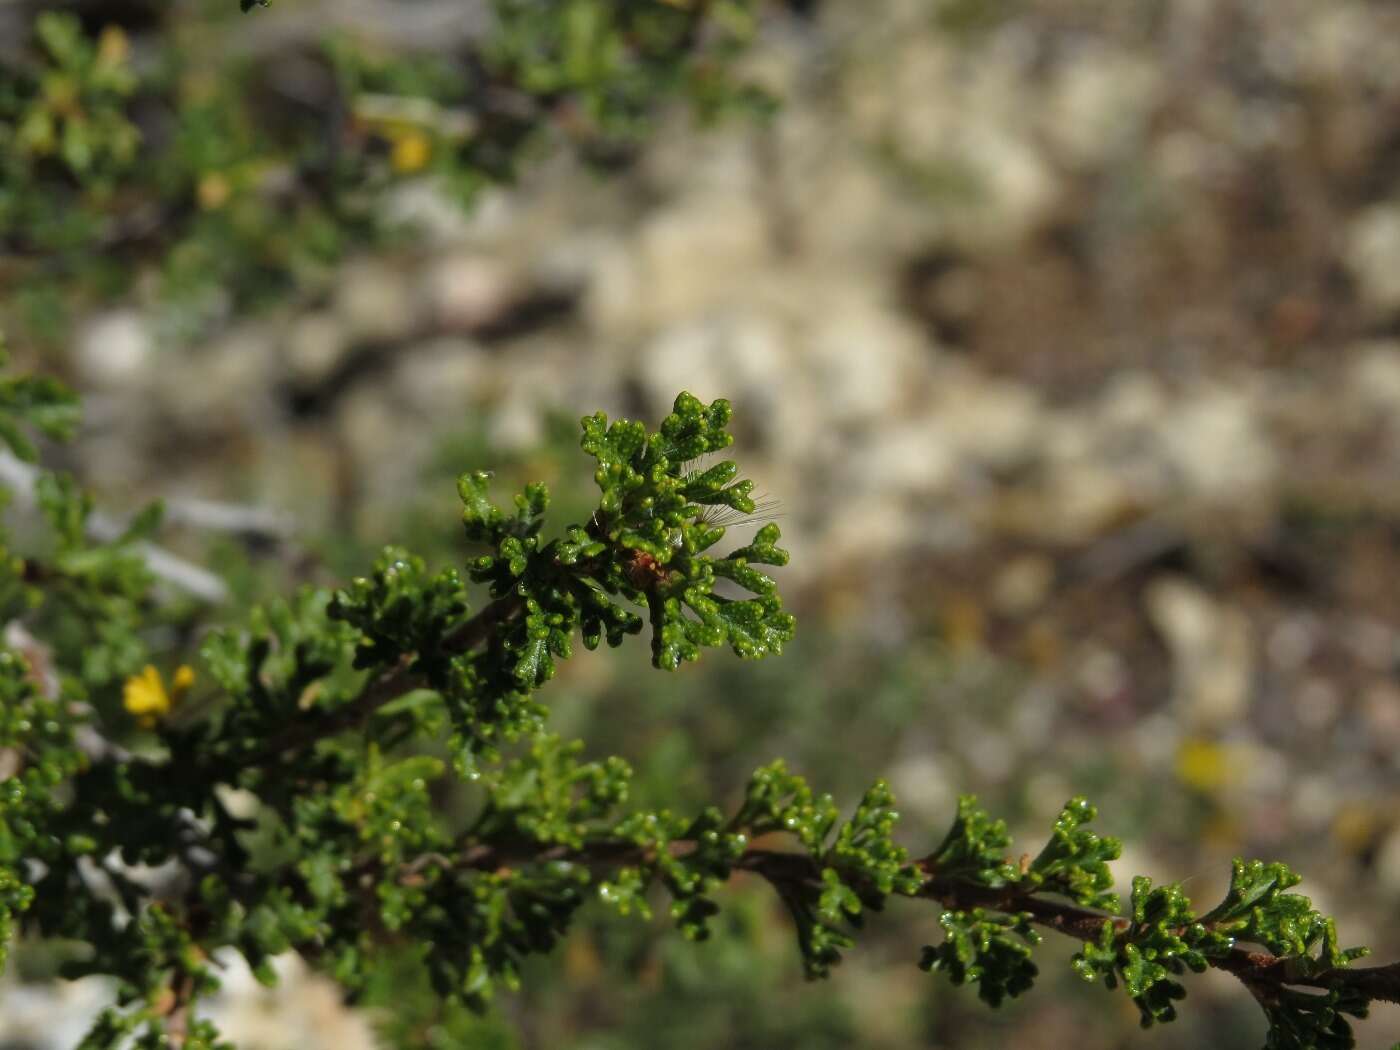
column 170, row 160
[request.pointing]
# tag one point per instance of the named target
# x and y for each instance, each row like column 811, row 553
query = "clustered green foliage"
column 91, row 601
column 168, row 150
column 295, row 805
column 1164, row 938
column 1161, row 938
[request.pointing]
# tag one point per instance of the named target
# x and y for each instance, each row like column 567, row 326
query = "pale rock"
column 494, row 216
column 1098, row 102
column 1102, row 673
column 1372, row 254
column 1157, row 738
column 1212, row 653
column 697, row 254
column 715, row 166
column 569, row 262
column 1293, row 641
column 374, row 302
column 1033, row 720
column 115, row 349
column 880, row 524
column 1342, row 45
column 1268, row 124
column 316, row 345
column 51, row 1016
column 1021, row 190
column 922, row 783
column 1314, row 800
column 240, row 803
column 1067, row 442
column 385, row 453
column 959, row 118
column 1079, row 499
column 866, row 361
column 986, row 752
column 1184, row 158
column 1388, row 862
column 1316, row 703
column 440, row 380
column 526, row 393
column 304, row 1012
column 1132, row 400
column 299, row 471
column 1374, row 644
column 1380, row 709
column 908, row 458
column 227, row 384
column 777, row 68
column 795, row 431
column 685, row 357
column 1123, row 434
column 422, row 206
column 1267, row 772
column 610, row 300
column 1214, row 442
column 515, row 425
column 1373, row 378
column 846, row 206
column 1022, row 584
column 735, row 354
column 987, row 421
column 469, row 291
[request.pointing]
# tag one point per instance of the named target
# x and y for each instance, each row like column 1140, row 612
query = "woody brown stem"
column 1263, row 973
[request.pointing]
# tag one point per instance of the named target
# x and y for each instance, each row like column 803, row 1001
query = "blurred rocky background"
column 1066, row 333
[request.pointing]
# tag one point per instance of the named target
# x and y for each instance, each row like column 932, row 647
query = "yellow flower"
column 1201, row 764
column 1356, row 827
column 182, row 680
column 112, row 46
column 1209, row 766
column 412, row 151
column 145, row 696
column 213, row 191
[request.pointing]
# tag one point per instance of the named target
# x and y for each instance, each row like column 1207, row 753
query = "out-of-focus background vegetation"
column 1066, row 333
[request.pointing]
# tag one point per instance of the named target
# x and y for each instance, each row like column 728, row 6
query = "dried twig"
column 22, row 479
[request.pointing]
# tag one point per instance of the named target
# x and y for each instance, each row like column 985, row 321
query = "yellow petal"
column 412, row 152
column 112, row 46
column 144, row 694
column 182, row 680
column 1202, row 764
column 213, row 191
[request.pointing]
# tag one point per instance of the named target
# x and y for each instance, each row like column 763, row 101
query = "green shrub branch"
column 291, row 803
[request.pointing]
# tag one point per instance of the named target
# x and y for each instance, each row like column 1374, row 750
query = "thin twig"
column 216, row 516
column 388, row 686
column 177, row 1011
column 22, row 479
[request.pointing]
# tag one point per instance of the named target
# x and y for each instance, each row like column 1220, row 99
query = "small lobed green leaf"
column 1301, row 1020
column 38, row 403
column 1075, row 859
column 975, row 848
column 988, row 949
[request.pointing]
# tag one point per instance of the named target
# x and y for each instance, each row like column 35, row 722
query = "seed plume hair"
column 766, row 508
